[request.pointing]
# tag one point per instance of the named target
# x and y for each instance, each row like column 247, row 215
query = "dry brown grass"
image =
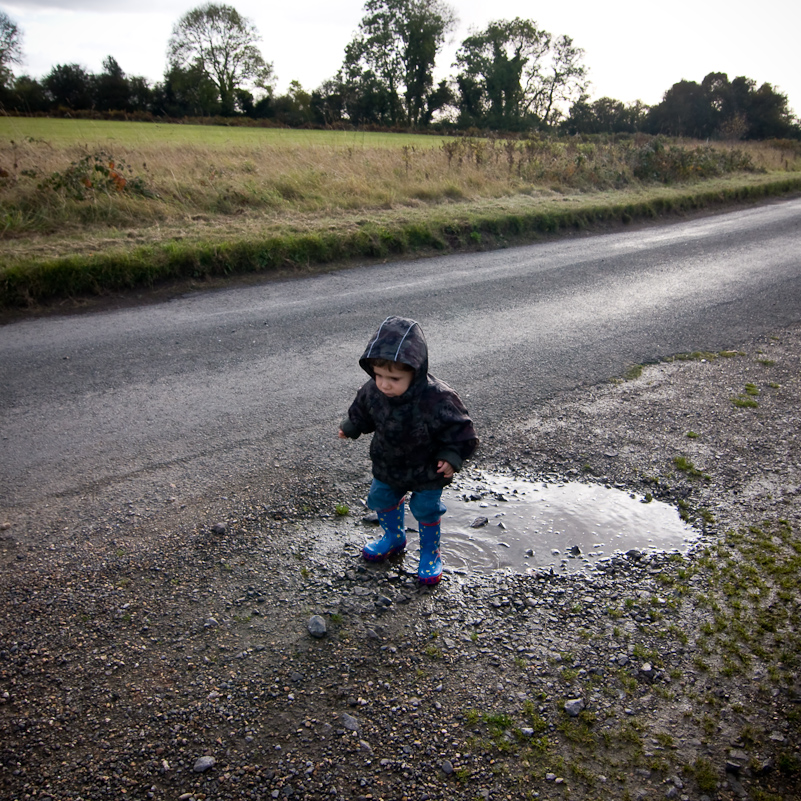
column 118, row 194
column 187, row 181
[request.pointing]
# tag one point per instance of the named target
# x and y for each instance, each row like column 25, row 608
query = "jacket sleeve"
column 359, row 420
column 457, row 453
column 455, row 436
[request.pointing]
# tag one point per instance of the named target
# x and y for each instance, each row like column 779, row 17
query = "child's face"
column 393, row 383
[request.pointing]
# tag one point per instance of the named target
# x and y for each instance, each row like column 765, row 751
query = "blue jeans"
column 426, row 505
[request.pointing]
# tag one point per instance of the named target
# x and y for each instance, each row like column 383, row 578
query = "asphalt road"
column 213, row 389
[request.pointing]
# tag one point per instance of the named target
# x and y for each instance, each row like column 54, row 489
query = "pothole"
column 494, row 522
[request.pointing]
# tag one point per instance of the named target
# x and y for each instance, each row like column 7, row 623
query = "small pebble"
column 204, row 763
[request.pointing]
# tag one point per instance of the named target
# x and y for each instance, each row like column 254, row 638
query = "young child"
column 422, row 434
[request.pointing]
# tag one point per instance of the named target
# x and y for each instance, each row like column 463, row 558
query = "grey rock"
column 204, row 763
column 317, row 626
column 736, row 786
column 574, row 706
column 350, row 723
column 736, row 760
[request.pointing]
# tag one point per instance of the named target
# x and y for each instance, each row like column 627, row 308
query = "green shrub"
column 95, row 172
column 658, row 161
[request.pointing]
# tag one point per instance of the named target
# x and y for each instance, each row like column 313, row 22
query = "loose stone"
column 574, row 706
column 317, row 626
column 204, row 763
column 349, row 722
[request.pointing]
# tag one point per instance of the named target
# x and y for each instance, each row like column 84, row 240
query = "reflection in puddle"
column 532, row 526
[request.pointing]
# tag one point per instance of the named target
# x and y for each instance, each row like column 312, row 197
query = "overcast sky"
column 634, row 50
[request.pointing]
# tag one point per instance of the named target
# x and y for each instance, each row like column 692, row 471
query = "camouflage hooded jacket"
column 414, row 431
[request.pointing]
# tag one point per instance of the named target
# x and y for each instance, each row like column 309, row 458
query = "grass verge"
column 119, row 265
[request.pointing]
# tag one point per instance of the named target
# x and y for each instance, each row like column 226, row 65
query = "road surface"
column 187, row 397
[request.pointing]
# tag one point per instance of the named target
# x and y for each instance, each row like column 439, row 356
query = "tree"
column 390, row 62
column 69, row 86
column 498, row 67
column 513, row 74
column 605, row 115
column 769, row 115
column 140, row 94
column 328, row 102
column 294, row 108
column 10, row 47
column 440, row 98
column 219, row 41
column 563, row 78
column 686, row 110
column 719, row 108
column 112, row 90
column 25, row 94
column 186, row 92
column 367, row 100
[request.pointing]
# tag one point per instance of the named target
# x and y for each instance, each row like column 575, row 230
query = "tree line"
column 512, row 76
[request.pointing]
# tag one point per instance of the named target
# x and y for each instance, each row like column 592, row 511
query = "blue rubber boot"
column 430, row 569
column 394, row 539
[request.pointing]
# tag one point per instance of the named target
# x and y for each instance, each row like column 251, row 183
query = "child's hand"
column 341, row 434
column 446, row 468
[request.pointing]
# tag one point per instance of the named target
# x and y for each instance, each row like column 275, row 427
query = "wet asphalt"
column 212, row 389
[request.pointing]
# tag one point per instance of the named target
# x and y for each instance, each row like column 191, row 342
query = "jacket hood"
column 399, row 340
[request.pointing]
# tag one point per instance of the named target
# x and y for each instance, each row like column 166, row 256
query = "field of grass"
column 63, row 133
column 88, row 206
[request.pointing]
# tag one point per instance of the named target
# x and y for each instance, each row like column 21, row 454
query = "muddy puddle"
column 495, row 522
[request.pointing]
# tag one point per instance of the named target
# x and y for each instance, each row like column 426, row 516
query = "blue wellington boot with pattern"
column 394, row 539
column 430, row 569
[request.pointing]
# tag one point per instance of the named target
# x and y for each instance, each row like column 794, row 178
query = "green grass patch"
column 65, row 133
column 686, row 466
column 705, row 775
column 744, row 402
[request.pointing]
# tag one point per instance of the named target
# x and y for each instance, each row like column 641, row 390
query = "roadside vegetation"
column 91, row 206
column 220, row 175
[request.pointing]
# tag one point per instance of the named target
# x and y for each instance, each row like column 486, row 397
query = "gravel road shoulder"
column 170, row 657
